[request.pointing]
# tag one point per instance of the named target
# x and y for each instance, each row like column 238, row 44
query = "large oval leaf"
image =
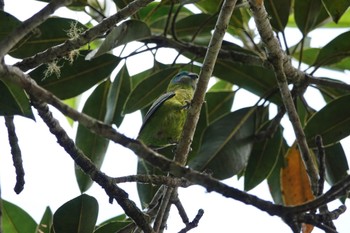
column 334, row 51
column 52, row 32
column 279, row 11
column 15, row 219
column 332, row 122
column 14, row 100
column 93, row 145
column 219, row 103
column 226, row 144
column 336, row 8
column 77, row 77
column 11, row 24
column 309, row 14
column 255, row 79
column 117, row 95
column 78, row 215
column 149, row 89
column 336, row 163
column 131, row 30
column 262, row 160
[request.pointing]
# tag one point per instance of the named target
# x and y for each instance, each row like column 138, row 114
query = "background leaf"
column 14, row 101
column 15, row 219
column 78, row 215
column 262, row 160
column 332, row 122
column 336, row 8
column 46, row 222
column 93, row 146
column 226, row 144
column 77, row 77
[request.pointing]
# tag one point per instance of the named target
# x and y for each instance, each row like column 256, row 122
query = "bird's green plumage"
column 165, row 119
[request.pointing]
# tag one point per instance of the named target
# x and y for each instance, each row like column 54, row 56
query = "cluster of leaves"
column 226, row 142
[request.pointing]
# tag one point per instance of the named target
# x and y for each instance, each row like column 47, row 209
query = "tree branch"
column 86, row 37
column 16, row 76
column 27, row 26
column 278, row 60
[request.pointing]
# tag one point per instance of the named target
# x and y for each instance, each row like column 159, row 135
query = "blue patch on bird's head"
column 184, row 77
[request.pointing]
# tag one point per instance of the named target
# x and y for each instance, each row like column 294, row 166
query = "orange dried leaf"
column 295, row 183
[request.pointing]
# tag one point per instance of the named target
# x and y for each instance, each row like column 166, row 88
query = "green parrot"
column 164, row 121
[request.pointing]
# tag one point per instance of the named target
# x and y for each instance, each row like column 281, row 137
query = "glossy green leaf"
column 14, row 100
column 336, row 163
column 309, row 14
column 149, row 89
column 155, row 15
column 93, row 146
column 332, row 122
column 199, row 25
column 262, row 160
column 274, row 179
column 76, row 78
column 15, row 219
column 336, row 8
column 117, row 95
column 52, row 32
column 11, row 24
column 113, row 225
column 131, row 30
column 331, row 93
column 45, row 222
column 257, row 80
column 309, row 55
column 78, row 215
column 202, row 124
column 209, row 7
column 219, row 103
column 278, row 11
column 226, row 144
column 334, row 51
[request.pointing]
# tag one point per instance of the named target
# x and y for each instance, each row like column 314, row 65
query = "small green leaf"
column 219, row 103
column 309, row 14
column 15, row 219
column 117, row 95
column 226, row 144
column 78, row 215
column 93, row 145
column 149, row 89
column 262, row 160
column 334, row 51
column 77, row 77
column 336, row 8
column 336, row 163
column 14, row 100
column 131, row 30
column 332, row 122
column 52, row 32
column 46, row 222
column 278, row 10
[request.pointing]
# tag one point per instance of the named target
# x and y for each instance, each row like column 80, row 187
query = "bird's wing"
column 156, row 105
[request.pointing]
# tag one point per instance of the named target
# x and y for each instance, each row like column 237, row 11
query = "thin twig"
column 16, row 154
